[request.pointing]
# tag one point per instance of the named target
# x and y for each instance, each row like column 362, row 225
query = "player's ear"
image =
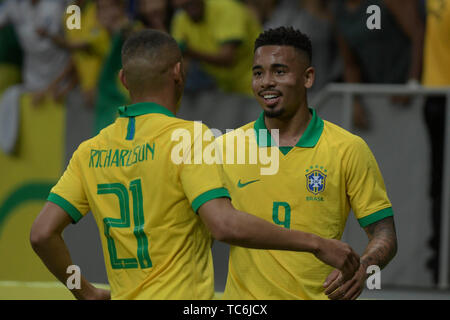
column 309, row 77
column 178, row 73
column 122, row 78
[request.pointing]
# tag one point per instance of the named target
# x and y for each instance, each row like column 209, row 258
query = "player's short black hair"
column 285, row 36
column 149, row 42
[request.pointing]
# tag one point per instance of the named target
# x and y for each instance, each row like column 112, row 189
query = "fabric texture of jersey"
column 155, row 245
column 225, row 21
column 327, row 173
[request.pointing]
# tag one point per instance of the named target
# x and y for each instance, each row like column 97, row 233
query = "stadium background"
column 50, row 131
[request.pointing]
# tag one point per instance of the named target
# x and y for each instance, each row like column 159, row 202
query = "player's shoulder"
column 342, row 139
column 340, row 134
column 190, row 125
column 99, row 140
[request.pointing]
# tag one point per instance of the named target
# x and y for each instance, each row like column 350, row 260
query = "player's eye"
column 280, row 72
column 257, row 73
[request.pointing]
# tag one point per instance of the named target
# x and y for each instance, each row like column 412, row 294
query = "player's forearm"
column 252, row 232
column 382, row 245
column 54, row 254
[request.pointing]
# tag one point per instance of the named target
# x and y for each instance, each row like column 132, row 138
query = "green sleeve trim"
column 376, row 216
column 209, row 195
column 66, row 205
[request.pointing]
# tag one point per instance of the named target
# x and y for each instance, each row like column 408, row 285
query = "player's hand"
column 89, row 292
column 335, row 289
column 340, row 255
column 101, row 294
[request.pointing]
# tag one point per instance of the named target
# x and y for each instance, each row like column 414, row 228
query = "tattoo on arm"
column 382, row 245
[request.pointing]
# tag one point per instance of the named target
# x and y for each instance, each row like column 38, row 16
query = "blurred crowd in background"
column 39, row 54
column 39, row 51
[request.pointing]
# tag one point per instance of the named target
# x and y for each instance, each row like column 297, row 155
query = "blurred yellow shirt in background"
column 437, row 45
column 225, row 21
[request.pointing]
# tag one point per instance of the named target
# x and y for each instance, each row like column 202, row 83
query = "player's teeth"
column 269, row 97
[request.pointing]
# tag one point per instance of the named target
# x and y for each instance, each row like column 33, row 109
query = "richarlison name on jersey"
column 121, row 157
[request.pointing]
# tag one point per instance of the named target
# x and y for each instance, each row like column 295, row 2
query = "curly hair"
column 285, row 36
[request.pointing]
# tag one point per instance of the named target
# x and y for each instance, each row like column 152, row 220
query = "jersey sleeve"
column 69, row 193
column 365, row 185
column 200, row 177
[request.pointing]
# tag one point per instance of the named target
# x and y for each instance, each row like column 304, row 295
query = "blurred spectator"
column 436, row 73
column 312, row 17
column 269, row 10
column 111, row 94
column 11, row 57
column 43, row 60
column 88, row 47
column 155, row 14
column 220, row 34
column 392, row 54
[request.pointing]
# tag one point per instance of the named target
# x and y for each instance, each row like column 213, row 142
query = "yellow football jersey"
column 155, row 245
column 224, row 21
column 327, row 173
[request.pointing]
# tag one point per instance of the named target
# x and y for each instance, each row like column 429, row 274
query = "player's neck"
column 168, row 103
column 292, row 128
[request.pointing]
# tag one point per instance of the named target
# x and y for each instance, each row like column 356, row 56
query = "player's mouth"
column 271, row 98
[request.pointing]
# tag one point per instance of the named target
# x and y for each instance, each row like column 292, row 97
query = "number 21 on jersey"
column 142, row 258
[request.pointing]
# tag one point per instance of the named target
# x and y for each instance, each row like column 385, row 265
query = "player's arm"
column 239, row 228
column 226, row 57
column 382, row 245
column 46, row 240
column 380, row 250
column 370, row 203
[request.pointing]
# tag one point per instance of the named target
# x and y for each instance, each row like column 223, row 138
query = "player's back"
column 155, row 245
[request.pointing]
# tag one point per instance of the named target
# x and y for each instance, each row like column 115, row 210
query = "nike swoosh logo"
column 241, row 185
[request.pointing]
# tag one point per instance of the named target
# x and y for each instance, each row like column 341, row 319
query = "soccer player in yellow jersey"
column 156, row 216
column 324, row 171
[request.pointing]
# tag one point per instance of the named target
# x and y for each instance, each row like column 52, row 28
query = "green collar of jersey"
column 142, row 108
column 309, row 138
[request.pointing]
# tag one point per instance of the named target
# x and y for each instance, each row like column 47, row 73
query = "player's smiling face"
column 281, row 75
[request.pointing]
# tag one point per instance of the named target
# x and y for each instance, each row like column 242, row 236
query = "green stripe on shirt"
column 376, row 216
column 66, row 206
column 209, row 195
